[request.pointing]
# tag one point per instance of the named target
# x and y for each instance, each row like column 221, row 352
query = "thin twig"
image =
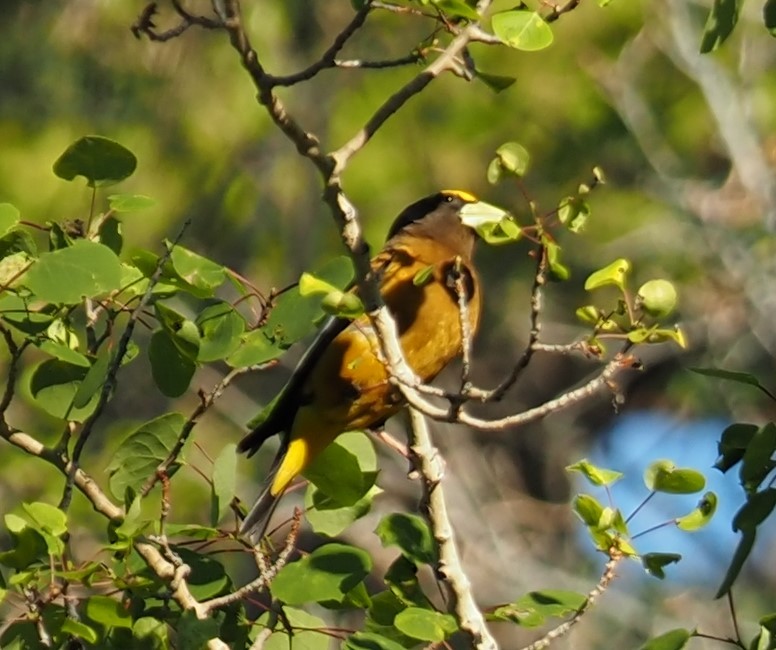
column 606, row 578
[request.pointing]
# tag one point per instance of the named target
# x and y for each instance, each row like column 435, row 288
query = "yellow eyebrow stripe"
column 465, row 196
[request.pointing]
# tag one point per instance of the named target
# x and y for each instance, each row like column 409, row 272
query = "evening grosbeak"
column 340, row 383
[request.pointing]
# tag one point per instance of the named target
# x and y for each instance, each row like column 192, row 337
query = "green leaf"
column 514, row 158
column 532, row 609
column 504, row 231
column 402, row 579
column 294, row 315
column 67, row 275
column 50, row 522
column 130, row 202
column 328, row 517
column 615, row 274
column 28, row 544
column 138, row 456
column 744, row 548
column 596, row 475
column 254, row 349
column 733, row 443
column 657, row 298
column 307, row 632
column 769, row 16
column 559, row 272
column 425, row 624
column 424, row 276
column 589, row 509
column 664, row 476
column 738, row 377
column 411, row 534
column 757, row 461
column 345, row 470
column 342, row 304
column 94, row 379
column 522, row 30
column 755, row 511
column 196, row 270
column 654, row 563
column 722, row 18
column 17, row 241
column 701, row 515
column 221, row 327
column 574, row 212
column 496, row 83
column 151, row 633
column 99, row 160
column 673, row 640
column 110, row 235
column 80, row 630
column 327, row 574
column 589, row 314
column 64, row 353
column 208, row 577
column 310, row 285
column 457, row 9
column 54, row 385
column 194, row 632
column 9, row 217
column 224, row 482
column 172, row 371
column 370, row 641
column 108, row 612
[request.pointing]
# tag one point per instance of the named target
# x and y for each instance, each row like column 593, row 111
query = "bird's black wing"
column 279, row 414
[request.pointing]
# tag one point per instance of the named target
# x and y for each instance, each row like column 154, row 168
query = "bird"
column 340, row 384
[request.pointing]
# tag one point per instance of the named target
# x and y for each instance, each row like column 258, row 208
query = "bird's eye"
column 449, row 198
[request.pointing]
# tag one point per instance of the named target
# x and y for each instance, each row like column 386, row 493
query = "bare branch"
column 449, row 568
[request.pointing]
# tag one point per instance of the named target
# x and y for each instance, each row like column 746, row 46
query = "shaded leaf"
column 327, row 574
column 523, row 30
column 101, row 161
column 67, row 275
column 138, row 456
column 722, row 18
column 654, row 563
column 410, row 534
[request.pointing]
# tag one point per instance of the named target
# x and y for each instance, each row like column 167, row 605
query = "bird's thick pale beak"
column 495, row 225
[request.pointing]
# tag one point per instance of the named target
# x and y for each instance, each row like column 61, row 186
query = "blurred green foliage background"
column 686, row 200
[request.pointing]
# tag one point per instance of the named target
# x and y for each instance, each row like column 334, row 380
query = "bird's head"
column 454, row 217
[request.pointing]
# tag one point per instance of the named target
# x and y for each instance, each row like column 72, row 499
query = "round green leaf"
column 411, row 534
column 327, row 574
column 425, row 624
column 523, row 30
column 657, row 298
column 514, row 158
column 99, row 160
column 66, row 275
column 80, row 630
column 329, row 517
column 346, row 470
column 138, row 456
